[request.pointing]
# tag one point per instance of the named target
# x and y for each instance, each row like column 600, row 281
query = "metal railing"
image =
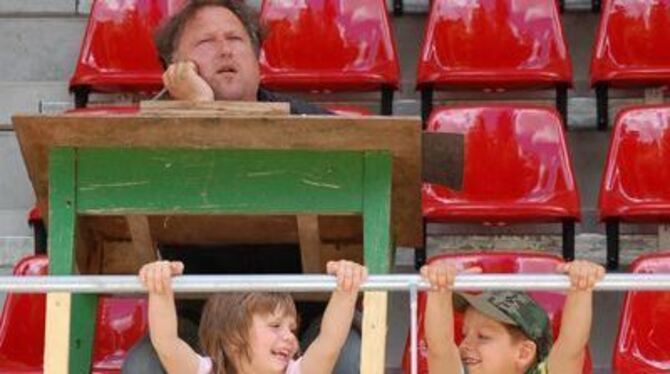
column 321, row 283
column 411, row 283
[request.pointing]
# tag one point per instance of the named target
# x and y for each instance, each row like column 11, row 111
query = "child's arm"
column 568, row 352
column 175, row 354
column 322, row 354
column 443, row 353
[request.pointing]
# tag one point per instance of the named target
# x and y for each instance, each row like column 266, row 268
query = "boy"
column 507, row 332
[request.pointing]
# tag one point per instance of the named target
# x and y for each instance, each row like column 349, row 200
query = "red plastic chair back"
column 494, row 44
column 498, row 262
column 636, row 181
column 642, row 345
column 328, row 45
column 34, row 215
column 118, row 53
column 627, row 48
column 22, row 323
column 516, row 167
column 120, row 324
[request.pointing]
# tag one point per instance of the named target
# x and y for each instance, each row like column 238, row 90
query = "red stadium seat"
column 636, row 181
column 498, row 262
column 328, row 45
column 627, row 50
column 22, row 324
column 117, row 52
column 642, row 344
column 494, row 44
column 121, row 322
column 516, row 169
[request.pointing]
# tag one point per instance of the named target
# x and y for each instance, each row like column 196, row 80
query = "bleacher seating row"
column 641, row 344
column 517, row 168
column 329, row 46
column 349, row 46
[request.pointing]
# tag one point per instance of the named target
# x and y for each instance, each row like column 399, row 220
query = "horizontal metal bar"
column 321, row 283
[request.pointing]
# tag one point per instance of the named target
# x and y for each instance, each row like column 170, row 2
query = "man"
column 210, row 50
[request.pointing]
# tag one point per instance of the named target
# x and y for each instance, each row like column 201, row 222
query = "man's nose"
column 225, row 48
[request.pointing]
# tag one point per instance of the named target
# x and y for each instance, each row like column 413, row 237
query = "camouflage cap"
column 513, row 308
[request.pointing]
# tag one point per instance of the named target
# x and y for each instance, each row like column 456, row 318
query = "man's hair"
column 169, row 33
column 227, row 319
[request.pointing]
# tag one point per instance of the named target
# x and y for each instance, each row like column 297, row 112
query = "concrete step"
column 39, row 48
column 16, row 193
column 13, row 248
column 53, row 96
column 588, row 246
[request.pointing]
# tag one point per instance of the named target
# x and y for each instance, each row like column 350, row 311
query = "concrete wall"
column 39, row 40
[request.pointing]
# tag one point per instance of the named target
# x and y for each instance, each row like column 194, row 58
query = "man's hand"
column 184, row 83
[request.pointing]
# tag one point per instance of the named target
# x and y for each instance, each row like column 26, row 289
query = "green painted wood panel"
column 122, row 181
column 377, row 250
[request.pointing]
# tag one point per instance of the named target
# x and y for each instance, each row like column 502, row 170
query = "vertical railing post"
column 413, row 308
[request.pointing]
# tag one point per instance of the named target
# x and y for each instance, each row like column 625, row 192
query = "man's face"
column 217, row 42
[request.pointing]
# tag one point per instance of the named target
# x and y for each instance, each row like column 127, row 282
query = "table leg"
column 70, row 319
column 378, row 253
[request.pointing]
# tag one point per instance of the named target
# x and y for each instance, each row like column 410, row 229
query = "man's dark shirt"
column 297, row 106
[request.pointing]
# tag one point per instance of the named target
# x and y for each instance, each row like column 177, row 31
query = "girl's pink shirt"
column 205, row 366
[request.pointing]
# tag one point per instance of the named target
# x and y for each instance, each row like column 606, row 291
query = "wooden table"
column 92, row 171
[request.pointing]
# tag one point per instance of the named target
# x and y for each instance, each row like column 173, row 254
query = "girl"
column 249, row 332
